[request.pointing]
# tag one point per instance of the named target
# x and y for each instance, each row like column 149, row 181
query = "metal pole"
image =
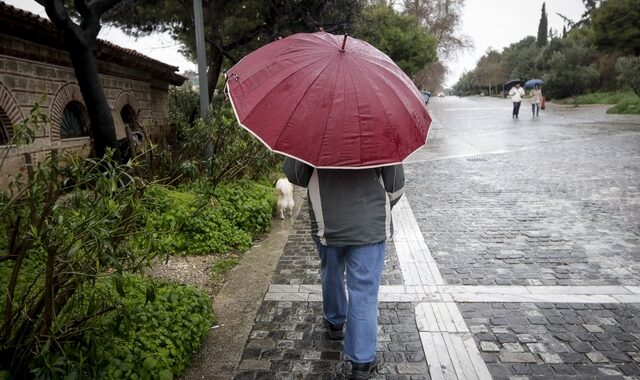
column 202, row 68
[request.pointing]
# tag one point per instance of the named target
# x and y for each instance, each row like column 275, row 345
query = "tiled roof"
column 45, row 26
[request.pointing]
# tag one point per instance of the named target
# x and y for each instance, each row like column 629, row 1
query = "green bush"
column 197, row 219
column 626, row 102
column 234, row 153
column 611, row 97
column 248, row 204
column 179, row 222
column 626, row 106
column 158, row 338
column 153, row 335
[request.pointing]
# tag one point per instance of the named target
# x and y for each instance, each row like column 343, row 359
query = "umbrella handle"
column 344, row 42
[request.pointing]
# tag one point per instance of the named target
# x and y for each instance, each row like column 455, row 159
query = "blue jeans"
column 364, row 269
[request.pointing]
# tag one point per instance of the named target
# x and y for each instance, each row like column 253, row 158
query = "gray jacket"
column 349, row 206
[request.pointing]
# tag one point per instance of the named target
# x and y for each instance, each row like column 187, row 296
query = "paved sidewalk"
column 515, row 263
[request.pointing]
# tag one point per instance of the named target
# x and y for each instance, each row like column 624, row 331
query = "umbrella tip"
column 344, row 42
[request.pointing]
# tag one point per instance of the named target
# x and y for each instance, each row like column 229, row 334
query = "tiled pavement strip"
column 448, row 344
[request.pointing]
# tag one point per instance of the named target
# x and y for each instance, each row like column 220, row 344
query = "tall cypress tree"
column 542, row 28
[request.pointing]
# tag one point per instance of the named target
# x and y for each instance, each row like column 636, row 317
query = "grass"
column 625, row 102
column 221, row 268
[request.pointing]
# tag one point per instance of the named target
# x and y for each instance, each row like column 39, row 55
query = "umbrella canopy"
column 512, row 82
column 328, row 101
column 532, row 82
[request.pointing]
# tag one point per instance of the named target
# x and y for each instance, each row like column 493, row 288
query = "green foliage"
column 233, row 28
column 490, row 71
column 615, row 25
column 236, row 154
column 519, row 59
column 542, row 28
column 200, row 219
column 568, row 67
column 625, row 102
column 629, row 69
column 65, row 224
column 152, row 335
column 612, row 97
column 626, row 106
column 154, row 340
column 248, row 204
column 401, row 37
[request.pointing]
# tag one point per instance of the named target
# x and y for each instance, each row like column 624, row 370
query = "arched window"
column 129, row 117
column 74, row 121
column 4, row 129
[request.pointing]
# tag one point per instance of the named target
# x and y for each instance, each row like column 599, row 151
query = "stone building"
column 34, row 66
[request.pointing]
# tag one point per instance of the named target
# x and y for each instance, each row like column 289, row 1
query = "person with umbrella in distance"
column 345, row 116
column 535, row 95
column 516, row 94
column 536, row 99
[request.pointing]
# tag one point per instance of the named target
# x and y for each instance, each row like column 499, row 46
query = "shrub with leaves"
column 248, row 204
column 181, row 223
column 629, row 69
column 65, row 225
column 153, row 340
column 152, row 335
column 235, row 153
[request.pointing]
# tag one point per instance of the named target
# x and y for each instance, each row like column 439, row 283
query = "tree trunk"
column 102, row 124
column 213, row 70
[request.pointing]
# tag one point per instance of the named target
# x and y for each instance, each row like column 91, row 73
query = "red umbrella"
column 329, row 101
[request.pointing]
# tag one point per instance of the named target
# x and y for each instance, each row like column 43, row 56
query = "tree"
column 589, row 7
column 489, row 72
column 234, row 28
column 629, row 69
column 542, row 28
column 401, row 37
column 569, row 68
column 79, row 40
column 442, row 18
column 615, row 26
column 519, row 59
column 431, row 77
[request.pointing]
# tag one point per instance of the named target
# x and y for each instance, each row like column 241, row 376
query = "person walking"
column 350, row 213
column 516, row 94
column 536, row 99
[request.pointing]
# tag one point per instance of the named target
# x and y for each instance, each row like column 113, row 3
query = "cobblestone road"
column 517, row 256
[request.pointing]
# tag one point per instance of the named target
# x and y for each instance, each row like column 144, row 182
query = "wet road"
column 553, row 200
column 470, row 126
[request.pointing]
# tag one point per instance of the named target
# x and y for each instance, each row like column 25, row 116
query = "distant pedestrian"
column 516, row 94
column 536, row 99
column 350, row 212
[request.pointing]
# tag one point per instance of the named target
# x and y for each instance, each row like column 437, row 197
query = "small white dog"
column 284, row 188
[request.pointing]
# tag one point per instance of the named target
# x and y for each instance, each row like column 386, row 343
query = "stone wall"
column 30, row 73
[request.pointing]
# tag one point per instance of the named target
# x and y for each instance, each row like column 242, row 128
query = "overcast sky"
column 498, row 23
column 490, row 24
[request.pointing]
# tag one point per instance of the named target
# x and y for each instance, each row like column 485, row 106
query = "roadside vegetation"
column 625, row 102
column 592, row 60
column 78, row 236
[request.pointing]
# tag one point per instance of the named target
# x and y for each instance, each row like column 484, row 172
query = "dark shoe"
column 334, row 332
column 362, row 371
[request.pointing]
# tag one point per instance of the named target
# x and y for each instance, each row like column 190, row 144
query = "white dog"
column 284, row 188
